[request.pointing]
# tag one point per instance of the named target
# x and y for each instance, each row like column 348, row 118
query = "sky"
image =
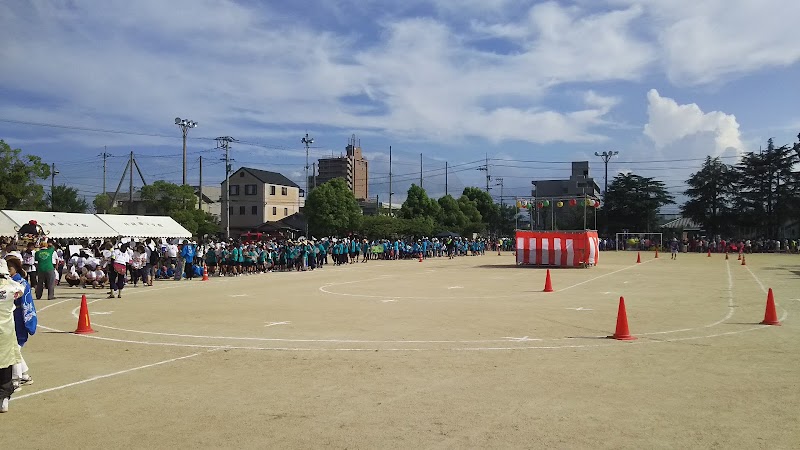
column 530, row 86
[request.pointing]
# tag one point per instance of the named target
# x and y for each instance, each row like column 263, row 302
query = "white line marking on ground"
column 100, row 377
column 272, row 324
column 760, row 284
column 239, row 295
column 389, row 300
column 604, row 275
column 100, row 313
column 581, row 309
column 456, row 287
column 521, row 339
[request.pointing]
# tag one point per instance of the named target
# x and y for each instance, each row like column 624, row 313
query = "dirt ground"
column 464, row 353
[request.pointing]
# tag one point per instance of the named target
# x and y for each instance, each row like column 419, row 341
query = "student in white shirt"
column 121, row 259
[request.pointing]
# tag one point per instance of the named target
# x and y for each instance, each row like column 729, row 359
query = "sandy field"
column 464, row 353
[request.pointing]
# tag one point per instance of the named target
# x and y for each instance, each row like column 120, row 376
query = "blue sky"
column 453, row 80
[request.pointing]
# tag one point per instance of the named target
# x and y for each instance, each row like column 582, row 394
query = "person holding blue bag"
column 25, row 319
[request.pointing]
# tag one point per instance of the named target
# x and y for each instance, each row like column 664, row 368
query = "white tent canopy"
column 7, row 226
column 61, row 225
column 145, row 226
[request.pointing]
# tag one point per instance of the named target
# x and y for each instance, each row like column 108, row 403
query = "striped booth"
column 558, row 248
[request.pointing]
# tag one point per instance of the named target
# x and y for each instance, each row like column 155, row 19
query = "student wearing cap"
column 10, row 291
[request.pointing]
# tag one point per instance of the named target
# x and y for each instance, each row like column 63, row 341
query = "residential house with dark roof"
column 258, row 196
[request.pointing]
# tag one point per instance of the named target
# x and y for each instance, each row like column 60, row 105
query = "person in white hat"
column 9, row 350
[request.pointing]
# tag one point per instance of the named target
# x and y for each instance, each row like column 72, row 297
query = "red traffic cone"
column 548, row 286
column 205, row 273
column 709, row 253
column 770, row 315
column 656, row 252
column 743, row 261
column 638, row 258
column 420, row 257
column 622, row 333
column 84, row 324
column 740, row 257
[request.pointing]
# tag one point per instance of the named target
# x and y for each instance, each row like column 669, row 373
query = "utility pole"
column 105, row 156
column 53, row 173
column 420, row 170
column 485, row 168
column 307, row 141
column 130, row 191
column 200, row 186
column 314, row 174
column 500, row 183
column 184, row 125
column 390, row 181
column 445, row 177
column 605, row 156
column 224, row 143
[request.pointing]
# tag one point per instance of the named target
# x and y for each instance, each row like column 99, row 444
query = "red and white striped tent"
column 558, row 248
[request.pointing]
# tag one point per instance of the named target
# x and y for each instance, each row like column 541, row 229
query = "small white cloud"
column 670, row 122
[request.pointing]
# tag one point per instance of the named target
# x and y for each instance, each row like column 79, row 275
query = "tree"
column 18, row 176
column 506, row 220
column 767, row 188
column 379, row 227
column 633, row 202
column 102, row 205
column 418, row 204
column 475, row 222
column 711, row 191
column 66, row 199
column 178, row 202
column 166, row 198
column 490, row 211
column 451, row 218
column 331, row 208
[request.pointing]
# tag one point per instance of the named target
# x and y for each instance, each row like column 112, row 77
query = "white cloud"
column 670, row 122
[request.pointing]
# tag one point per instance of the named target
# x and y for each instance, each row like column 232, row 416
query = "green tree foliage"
column 490, row 211
column 507, row 222
column 332, row 209
column 451, row 218
column 18, row 180
column 66, row 199
column 102, row 205
column 380, row 227
column 178, row 202
column 711, row 192
column 418, row 204
column 165, row 198
column 475, row 223
column 767, row 188
column 633, row 202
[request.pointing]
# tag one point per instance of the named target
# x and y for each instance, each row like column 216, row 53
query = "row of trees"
column 759, row 194
column 332, row 209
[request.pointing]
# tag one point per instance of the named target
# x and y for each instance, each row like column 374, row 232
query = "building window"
column 285, row 211
column 272, row 190
column 254, row 210
column 241, row 210
column 284, row 191
column 230, row 210
column 234, row 189
column 274, row 208
column 250, row 189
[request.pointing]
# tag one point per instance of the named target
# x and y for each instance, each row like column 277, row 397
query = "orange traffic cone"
column 770, row 315
column 205, row 273
column 740, row 257
column 726, row 256
column 548, row 286
column 638, row 258
column 622, row 333
column 84, row 324
column 420, row 257
column 656, row 252
column 709, row 253
column 743, row 261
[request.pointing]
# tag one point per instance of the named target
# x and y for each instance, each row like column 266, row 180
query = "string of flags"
column 530, row 204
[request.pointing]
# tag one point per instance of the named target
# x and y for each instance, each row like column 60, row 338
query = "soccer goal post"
column 639, row 241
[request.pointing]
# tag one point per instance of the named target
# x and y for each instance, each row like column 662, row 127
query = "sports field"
column 464, row 353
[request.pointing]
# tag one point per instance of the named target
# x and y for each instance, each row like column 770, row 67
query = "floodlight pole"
column 307, row 141
column 184, row 125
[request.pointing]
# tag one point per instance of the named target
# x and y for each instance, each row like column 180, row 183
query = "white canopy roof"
column 7, row 226
column 61, row 225
column 145, row 226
